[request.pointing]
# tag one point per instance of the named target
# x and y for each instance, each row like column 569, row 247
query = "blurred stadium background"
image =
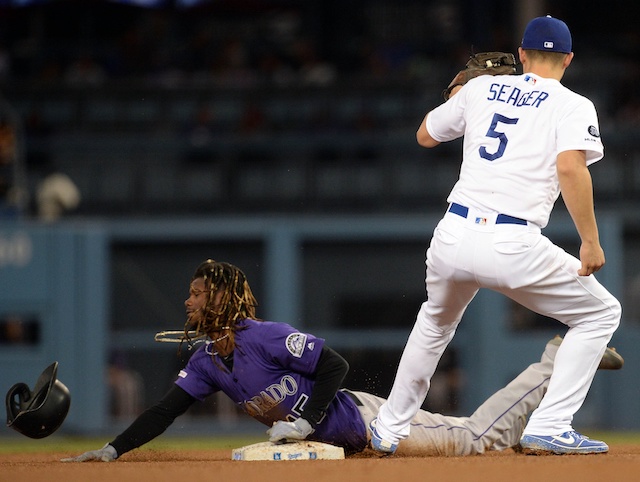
column 139, row 137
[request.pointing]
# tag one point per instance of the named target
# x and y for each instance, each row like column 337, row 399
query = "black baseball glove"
column 485, row 63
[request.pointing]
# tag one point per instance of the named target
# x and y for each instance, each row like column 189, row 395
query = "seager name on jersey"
column 271, row 396
column 514, row 96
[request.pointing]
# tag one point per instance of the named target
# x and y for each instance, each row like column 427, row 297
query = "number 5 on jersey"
column 492, row 132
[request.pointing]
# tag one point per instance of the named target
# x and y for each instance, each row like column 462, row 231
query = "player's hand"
column 287, row 431
column 105, row 454
column 591, row 258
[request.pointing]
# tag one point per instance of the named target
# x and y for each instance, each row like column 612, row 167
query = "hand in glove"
column 105, row 454
column 485, row 63
column 289, row 431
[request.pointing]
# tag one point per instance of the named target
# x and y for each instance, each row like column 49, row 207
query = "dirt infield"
column 621, row 464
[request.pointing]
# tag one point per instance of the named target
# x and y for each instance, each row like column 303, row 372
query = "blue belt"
column 500, row 219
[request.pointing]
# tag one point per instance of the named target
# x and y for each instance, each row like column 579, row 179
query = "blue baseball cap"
column 548, row 34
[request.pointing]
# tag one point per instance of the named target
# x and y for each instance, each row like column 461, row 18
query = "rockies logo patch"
column 295, row 344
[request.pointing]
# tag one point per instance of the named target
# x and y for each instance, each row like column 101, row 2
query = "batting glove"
column 289, row 431
column 105, row 454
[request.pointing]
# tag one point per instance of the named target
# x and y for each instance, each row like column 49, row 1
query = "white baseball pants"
column 473, row 252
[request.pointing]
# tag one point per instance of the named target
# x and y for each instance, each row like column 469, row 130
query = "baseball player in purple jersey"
column 526, row 139
column 289, row 381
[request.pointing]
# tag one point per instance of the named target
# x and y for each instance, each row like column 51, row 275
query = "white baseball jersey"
column 514, row 127
column 508, row 123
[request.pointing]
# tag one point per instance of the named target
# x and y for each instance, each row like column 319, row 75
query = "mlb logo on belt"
column 481, row 221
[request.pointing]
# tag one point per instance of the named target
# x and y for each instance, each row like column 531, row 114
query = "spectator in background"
column 19, row 330
column 126, row 387
column 201, row 135
column 274, row 70
column 55, row 195
column 253, row 120
column 5, row 63
column 38, row 136
column 232, row 67
column 8, row 150
column 85, row 71
column 7, row 143
column 312, row 69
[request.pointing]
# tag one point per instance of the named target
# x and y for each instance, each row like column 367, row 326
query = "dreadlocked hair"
column 229, row 301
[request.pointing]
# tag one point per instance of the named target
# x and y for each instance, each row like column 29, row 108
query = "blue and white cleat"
column 566, row 443
column 378, row 443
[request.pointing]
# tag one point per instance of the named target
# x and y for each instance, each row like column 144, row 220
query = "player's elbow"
column 424, row 139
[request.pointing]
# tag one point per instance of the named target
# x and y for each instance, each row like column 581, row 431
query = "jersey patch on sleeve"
column 295, row 344
column 182, row 374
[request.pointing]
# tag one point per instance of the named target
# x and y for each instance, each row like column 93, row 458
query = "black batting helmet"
column 39, row 413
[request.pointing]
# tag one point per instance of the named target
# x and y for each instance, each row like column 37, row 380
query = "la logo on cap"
column 548, row 34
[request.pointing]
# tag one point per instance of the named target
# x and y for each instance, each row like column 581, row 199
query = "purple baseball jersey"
column 272, row 379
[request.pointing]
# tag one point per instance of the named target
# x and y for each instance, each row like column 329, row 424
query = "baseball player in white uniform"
column 526, row 139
